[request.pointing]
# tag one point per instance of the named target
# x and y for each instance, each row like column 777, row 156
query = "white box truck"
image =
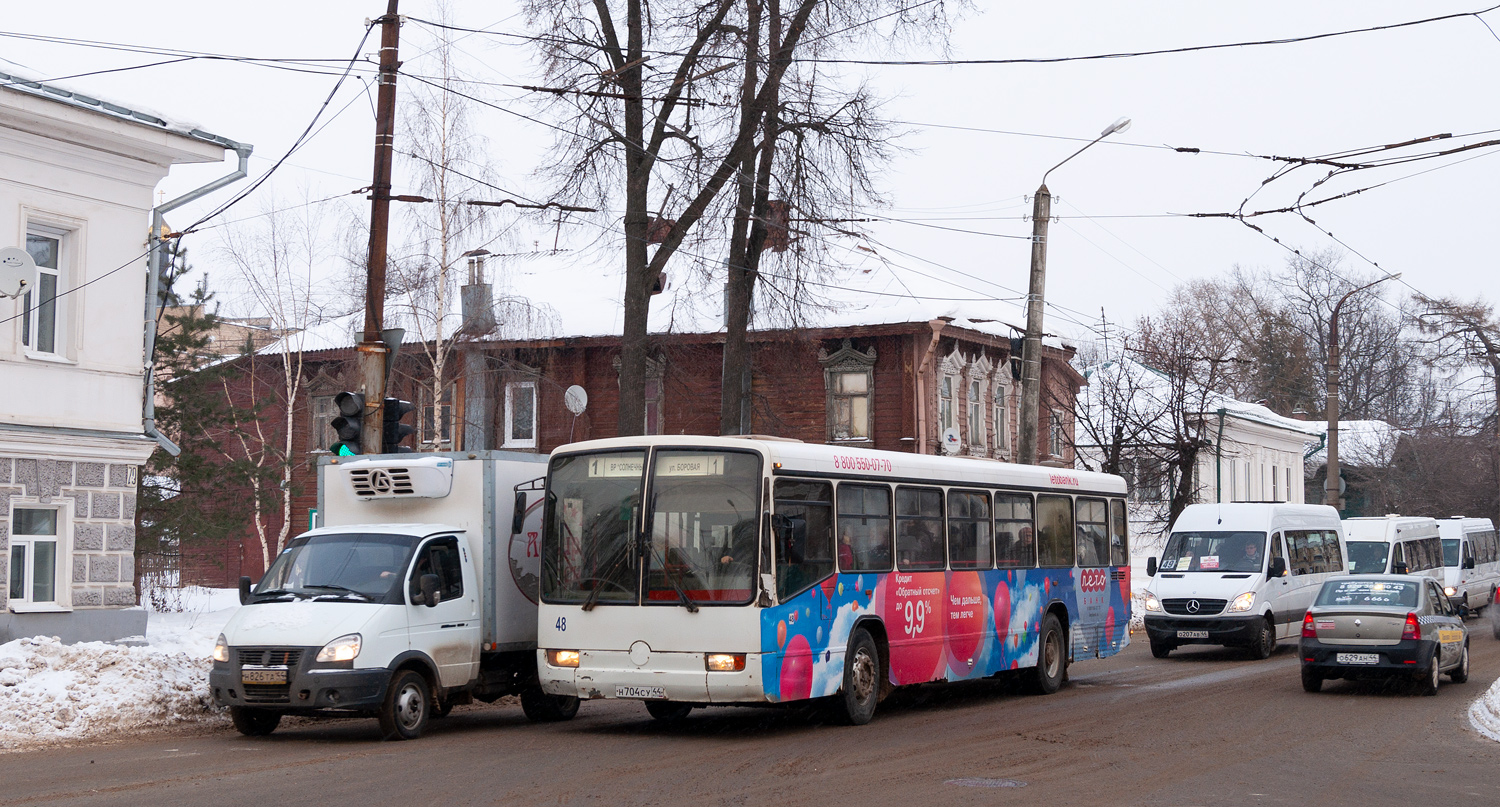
column 416, row 593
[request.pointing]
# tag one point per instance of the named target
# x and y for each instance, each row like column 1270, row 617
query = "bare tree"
column 1467, row 335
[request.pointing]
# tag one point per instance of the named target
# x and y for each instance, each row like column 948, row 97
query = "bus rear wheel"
column 1051, row 658
column 857, row 699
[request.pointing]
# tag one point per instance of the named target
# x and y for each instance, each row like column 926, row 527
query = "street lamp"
column 1031, row 349
column 1331, row 495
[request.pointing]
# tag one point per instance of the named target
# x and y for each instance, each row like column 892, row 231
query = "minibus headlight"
column 562, row 658
column 344, row 648
column 221, row 649
column 725, row 662
column 1152, row 603
column 1243, row 602
column 1450, row 590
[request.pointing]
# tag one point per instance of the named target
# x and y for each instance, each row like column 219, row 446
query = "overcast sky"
column 1115, row 247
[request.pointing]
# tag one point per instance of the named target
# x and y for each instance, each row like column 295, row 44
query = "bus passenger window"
column 1119, row 546
column 803, row 525
column 1015, row 532
column 1055, row 518
column 1093, row 533
column 969, row 541
column 919, row 529
column 864, row 518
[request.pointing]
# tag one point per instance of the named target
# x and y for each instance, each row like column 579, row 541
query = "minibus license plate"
column 640, row 692
column 1192, row 634
column 277, row 676
column 1357, row 658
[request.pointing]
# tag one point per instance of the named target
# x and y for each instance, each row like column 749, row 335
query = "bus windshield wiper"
column 593, row 598
column 682, row 596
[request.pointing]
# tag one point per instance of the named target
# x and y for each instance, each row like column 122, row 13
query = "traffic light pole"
column 371, row 352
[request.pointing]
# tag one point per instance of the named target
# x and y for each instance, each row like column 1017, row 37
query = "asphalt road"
column 1205, row 727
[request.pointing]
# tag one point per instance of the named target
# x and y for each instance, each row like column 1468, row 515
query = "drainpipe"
column 1219, row 460
column 155, row 263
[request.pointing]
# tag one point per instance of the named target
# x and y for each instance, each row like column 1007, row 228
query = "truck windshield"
column 363, row 567
column 593, row 505
column 1450, row 551
column 1215, row 552
column 1367, row 557
column 703, row 526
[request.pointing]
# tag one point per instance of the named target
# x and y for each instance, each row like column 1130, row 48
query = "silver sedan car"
column 1383, row 626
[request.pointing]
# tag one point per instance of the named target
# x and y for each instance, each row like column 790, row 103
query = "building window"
column 33, row 556
column 945, row 403
column 849, row 381
column 323, row 413
column 976, row 416
column 1289, row 483
column 40, row 325
column 1275, row 484
column 435, row 427
column 1002, row 417
column 1056, row 437
column 653, row 405
column 520, row 415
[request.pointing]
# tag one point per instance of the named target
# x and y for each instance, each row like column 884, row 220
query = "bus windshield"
column 1367, row 557
column 364, row 567
column 1214, row 552
column 593, row 504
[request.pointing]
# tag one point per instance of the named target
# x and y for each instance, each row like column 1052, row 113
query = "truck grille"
column 271, row 658
column 268, row 693
column 1182, row 607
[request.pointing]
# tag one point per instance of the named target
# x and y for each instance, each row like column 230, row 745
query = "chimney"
column 476, row 299
column 1299, row 414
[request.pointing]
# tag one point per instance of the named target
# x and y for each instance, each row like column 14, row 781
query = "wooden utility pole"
column 1332, row 496
column 372, row 349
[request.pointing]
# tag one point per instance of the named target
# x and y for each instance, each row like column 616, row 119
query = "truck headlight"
column 221, row 649
column 344, row 648
column 562, row 658
column 1243, row 602
column 1152, row 603
column 1450, row 590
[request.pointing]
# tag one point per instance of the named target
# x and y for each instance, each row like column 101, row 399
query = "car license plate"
column 640, row 692
column 1357, row 658
column 1192, row 634
column 277, row 676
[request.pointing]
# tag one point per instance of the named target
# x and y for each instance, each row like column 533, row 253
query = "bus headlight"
column 562, row 658
column 1152, row 603
column 725, row 662
column 1450, row 590
column 344, row 648
column 221, row 649
column 1243, row 602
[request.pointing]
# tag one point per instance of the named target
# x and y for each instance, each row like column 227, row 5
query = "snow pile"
column 52, row 692
column 1484, row 715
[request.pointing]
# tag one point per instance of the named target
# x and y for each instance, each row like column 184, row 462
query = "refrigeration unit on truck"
column 415, row 594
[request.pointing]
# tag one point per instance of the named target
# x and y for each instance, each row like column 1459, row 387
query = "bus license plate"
column 1357, row 658
column 277, row 676
column 640, row 692
column 1192, row 634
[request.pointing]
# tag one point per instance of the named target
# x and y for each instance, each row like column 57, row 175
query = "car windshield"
column 1367, row 557
column 1395, row 593
column 1450, row 551
column 359, row 566
column 1215, row 552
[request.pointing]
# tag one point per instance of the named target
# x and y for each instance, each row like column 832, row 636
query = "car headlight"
column 1152, row 603
column 221, row 649
column 344, row 648
column 1243, row 602
column 1450, row 590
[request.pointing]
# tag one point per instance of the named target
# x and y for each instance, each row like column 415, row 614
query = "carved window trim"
column 848, row 360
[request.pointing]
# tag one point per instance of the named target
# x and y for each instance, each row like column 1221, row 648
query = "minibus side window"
column 1333, row 558
column 1276, row 550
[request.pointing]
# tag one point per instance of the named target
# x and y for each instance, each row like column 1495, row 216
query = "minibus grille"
column 1193, row 606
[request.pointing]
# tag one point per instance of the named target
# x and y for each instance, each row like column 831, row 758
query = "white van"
column 1394, row 545
column 1240, row 575
column 1471, row 560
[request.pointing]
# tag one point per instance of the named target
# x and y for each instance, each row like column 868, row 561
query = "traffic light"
column 394, row 430
column 351, row 406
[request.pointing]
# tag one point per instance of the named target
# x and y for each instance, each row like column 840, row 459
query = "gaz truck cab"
column 416, row 594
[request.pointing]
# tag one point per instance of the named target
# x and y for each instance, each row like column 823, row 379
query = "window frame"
column 321, row 425
column 986, row 522
column 1067, row 538
column 974, row 400
column 62, row 559
column 63, row 233
column 1000, row 403
column 1012, row 498
column 841, row 403
column 922, row 518
column 441, row 544
column 427, row 413
column 777, row 501
column 513, row 442
column 1057, row 429
column 889, row 563
column 1078, row 538
column 945, row 402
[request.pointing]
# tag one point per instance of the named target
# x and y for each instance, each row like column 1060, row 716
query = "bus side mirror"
column 1468, row 563
column 1399, row 567
column 245, row 585
column 518, row 514
column 1151, row 566
column 429, row 584
column 1278, row 567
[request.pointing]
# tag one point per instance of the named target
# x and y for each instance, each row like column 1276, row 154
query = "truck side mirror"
column 245, row 584
column 430, row 584
column 1151, row 566
column 518, row 514
column 1278, row 567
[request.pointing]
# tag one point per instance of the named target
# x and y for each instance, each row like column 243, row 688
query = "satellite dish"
column 950, row 440
column 17, row 272
column 576, row 399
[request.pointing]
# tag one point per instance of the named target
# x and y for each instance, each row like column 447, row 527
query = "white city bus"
column 686, row 571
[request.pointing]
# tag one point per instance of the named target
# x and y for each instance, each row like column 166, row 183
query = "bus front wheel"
column 862, row 672
column 1051, row 658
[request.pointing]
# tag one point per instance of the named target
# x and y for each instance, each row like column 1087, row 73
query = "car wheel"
column 1051, row 658
column 668, row 711
column 1161, row 649
column 1460, row 673
column 407, row 706
column 543, row 708
column 856, row 701
column 1428, row 683
column 253, row 722
column 1312, row 680
column 1265, row 641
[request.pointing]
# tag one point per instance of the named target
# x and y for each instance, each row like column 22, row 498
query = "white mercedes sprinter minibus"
column 1394, row 545
column 1240, row 575
column 1471, row 561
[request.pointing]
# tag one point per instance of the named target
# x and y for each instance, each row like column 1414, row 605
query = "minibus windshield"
column 1367, row 557
column 1450, row 551
column 1215, row 552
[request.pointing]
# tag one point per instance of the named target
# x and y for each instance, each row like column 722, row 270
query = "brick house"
column 895, row 386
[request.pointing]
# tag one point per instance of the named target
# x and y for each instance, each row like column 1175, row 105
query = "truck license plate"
column 1192, row 634
column 277, row 676
column 640, row 692
column 1357, row 658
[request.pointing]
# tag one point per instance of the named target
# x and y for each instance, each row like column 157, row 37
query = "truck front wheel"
column 407, row 706
column 254, row 722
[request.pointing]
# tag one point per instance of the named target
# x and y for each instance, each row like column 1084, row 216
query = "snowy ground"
column 1484, row 715
column 50, row 692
